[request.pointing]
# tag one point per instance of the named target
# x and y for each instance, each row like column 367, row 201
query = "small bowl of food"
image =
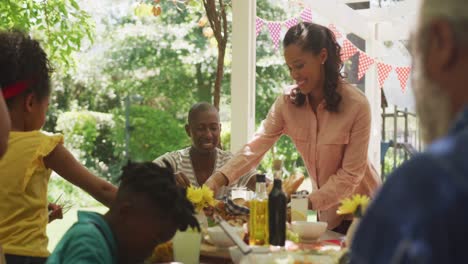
column 219, row 238
column 309, row 231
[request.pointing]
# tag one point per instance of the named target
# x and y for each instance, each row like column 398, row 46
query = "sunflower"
column 355, row 205
column 208, row 195
column 200, row 197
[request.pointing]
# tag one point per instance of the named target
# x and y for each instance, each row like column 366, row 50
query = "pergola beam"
column 342, row 15
column 243, row 73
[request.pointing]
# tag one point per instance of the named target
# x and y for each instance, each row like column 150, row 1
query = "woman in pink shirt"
column 327, row 119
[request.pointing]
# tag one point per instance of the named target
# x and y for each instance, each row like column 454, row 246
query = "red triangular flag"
column 258, row 25
column 291, row 22
column 347, row 50
column 403, row 75
column 383, row 70
column 275, row 31
column 335, row 31
column 364, row 63
column 306, row 15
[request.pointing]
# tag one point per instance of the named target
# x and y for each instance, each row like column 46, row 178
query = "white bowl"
column 220, row 239
column 309, row 230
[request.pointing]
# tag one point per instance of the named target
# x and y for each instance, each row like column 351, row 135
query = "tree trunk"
column 218, row 22
column 219, row 77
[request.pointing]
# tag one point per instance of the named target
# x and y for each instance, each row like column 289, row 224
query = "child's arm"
column 62, row 162
column 4, row 126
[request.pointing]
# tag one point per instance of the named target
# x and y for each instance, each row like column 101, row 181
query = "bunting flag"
column 403, row 75
column 291, row 22
column 335, row 31
column 306, row 15
column 364, row 63
column 383, row 70
column 347, row 50
column 275, row 31
column 258, row 25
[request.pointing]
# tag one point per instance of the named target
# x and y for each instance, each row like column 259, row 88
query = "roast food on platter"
column 232, row 218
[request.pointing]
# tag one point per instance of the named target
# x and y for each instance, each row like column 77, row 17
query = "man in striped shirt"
column 195, row 164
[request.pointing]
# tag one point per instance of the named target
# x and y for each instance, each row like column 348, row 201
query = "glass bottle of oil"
column 258, row 220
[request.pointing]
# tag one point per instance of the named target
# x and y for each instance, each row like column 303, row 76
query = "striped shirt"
column 180, row 161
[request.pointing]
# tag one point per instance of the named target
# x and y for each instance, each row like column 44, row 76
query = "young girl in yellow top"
column 32, row 155
column 4, row 126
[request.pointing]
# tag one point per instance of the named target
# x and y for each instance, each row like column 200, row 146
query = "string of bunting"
column 348, row 49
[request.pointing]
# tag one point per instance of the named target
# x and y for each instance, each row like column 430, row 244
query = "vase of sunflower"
column 186, row 244
column 355, row 206
column 201, row 198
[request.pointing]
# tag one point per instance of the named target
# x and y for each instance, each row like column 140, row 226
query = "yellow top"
column 23, row 193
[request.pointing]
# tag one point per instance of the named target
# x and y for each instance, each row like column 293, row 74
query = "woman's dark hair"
column 23, row 59
column 313, row 38
column 158, row 184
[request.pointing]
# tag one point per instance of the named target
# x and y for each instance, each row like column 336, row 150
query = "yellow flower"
column 200, row 197
column 194, row 195
column 356, row 205
column 208, row 195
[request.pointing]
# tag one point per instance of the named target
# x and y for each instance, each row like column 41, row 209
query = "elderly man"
column 420, row 214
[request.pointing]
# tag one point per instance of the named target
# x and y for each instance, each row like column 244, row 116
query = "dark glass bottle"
column 277, row 203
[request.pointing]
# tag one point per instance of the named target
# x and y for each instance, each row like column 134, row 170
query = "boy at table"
column 148, row 210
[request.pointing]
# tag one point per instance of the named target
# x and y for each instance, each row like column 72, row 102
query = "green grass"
column 57, row 228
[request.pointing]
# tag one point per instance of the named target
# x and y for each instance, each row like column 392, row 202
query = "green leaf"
column 75, row 4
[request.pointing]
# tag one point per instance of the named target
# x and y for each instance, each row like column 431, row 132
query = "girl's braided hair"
column 158, row 184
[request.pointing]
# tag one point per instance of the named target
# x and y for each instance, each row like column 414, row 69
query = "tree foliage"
column 61, row 25
column 168, row 61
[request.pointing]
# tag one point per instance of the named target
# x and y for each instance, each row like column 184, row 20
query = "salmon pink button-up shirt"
column 333, row 146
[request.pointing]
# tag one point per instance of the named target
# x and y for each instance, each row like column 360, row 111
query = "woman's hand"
column 182, row 180
column 55, row 212
column 216, row 181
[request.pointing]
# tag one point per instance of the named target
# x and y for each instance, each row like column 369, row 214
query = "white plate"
column 287, row 258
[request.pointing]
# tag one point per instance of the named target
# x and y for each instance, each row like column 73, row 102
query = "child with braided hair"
column 149, row 209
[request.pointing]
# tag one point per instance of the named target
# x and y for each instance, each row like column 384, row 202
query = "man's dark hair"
column 199, row 107
column 158, row 185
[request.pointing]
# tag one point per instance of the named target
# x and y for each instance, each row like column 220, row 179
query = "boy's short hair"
column 158, row 185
